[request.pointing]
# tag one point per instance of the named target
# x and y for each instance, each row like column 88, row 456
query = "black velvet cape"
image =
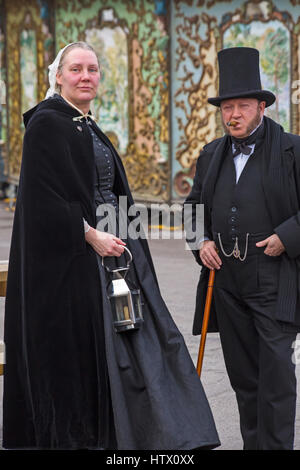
column 56, row 313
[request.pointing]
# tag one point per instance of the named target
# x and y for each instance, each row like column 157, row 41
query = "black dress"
column 168, row 367
column 71, row 381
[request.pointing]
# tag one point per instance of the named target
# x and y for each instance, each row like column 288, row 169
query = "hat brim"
column 262, row 95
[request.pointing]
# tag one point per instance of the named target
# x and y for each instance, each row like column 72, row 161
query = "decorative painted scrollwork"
column 199, row 27
column 18, row 18
column 199, row 126
column 146, row 179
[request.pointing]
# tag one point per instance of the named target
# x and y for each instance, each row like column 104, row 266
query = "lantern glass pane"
column 122, row 308
column 136, row 300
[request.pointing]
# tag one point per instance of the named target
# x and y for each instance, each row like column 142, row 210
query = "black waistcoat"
column 240, row 208
column 104, row 172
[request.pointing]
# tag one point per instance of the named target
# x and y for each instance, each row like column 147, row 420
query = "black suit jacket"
column 207, row 170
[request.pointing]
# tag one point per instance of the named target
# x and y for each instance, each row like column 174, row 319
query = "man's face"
column 245, row 112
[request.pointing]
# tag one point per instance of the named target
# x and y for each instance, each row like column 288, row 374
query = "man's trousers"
column 258, row 353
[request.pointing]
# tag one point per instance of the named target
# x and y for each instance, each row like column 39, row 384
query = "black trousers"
column 257, row 352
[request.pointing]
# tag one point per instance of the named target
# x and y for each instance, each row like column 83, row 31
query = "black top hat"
column 240, row 76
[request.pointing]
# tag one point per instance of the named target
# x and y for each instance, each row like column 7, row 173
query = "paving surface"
column 178, row 276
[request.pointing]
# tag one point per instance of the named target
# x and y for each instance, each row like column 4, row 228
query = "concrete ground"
column 178, row 276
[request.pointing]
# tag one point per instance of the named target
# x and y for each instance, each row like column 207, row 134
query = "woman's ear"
column 58, row 78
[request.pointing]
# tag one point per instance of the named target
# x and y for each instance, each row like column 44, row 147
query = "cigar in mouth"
column 232, row 123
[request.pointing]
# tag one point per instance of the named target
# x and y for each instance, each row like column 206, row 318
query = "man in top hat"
column 249, row 183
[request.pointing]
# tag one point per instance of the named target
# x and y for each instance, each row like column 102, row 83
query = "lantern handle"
column 122, row 268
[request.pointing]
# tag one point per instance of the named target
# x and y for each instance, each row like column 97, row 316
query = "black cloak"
column 58, row 326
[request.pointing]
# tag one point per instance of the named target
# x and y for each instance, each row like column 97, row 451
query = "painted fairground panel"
column 193, row 74
column 272, row 39
column 29, row 49
column 3, row 110
column 132, row 106
column 28, row 70
column 111, row 104
column 201, row 29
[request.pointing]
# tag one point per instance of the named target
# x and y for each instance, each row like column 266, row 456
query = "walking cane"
column 205, row 319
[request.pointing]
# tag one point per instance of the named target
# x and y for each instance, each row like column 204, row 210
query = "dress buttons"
column 233, row 209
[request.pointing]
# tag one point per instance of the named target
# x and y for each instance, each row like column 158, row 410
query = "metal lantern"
column 125, row 302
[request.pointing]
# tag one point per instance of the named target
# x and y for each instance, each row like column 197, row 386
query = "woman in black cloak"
column 71, row 381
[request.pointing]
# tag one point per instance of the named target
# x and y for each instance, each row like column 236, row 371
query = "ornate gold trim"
column 246, row 14
column 21, row 17
column 203, row 123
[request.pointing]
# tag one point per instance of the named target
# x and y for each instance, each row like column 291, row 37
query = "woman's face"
column 79, row 77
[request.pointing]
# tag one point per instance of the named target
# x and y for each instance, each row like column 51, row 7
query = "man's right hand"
column 209, row 256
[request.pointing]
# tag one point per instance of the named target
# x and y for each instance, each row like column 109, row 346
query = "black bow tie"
column 243, row 145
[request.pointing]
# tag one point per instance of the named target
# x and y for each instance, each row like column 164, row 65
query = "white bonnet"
column 53, row 71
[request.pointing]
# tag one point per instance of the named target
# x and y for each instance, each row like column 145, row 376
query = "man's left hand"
column 274, row 246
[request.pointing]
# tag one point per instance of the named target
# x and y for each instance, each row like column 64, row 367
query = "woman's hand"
column 105, row 244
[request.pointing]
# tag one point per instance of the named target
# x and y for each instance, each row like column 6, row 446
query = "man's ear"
column 262, row 105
